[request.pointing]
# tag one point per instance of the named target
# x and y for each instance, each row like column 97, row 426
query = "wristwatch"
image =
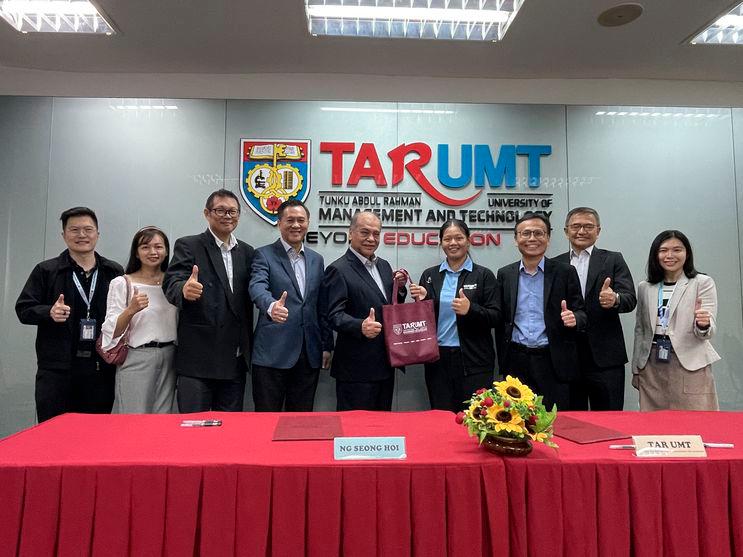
column 616, row 299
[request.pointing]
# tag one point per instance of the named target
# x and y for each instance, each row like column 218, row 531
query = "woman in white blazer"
column 676, row 317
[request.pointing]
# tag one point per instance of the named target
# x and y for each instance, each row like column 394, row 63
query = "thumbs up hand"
column 370, row 327
column 568, row 317
column 192, row 289
column 702, row 317
column 138, row 303
column 60, row 311
column 279, row 311
column 461, row 304
column 607, row 296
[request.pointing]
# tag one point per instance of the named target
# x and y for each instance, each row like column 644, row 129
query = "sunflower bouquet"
column 509, row 409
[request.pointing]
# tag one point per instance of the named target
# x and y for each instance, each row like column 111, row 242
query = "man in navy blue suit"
column 291, row 339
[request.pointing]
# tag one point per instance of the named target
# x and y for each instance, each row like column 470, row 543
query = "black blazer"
column 474, row 329
column 604, row 330
column 211, row 329
column 351, row 292
column 560, row 283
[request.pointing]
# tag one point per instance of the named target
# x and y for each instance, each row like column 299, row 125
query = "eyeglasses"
column 587, row 227
column 221, row 212
column 538, row 234
column 85, row 230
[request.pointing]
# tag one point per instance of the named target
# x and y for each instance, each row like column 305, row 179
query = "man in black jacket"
column 65, row 297
column 207, row 279
column 542, row 309
column 357, row 285
column 608, row 289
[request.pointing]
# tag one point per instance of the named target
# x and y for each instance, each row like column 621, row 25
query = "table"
column 142, row 485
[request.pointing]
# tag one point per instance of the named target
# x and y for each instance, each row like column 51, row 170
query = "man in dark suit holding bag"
column 357, row 285
column 207, row 279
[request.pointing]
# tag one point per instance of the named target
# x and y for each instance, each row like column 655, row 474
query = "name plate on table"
column 669, row 446
column 369, row 448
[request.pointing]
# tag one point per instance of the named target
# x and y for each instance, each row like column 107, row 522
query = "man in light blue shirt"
column 542, row 309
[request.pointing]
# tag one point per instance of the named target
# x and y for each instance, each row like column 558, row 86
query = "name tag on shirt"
column 469, row 286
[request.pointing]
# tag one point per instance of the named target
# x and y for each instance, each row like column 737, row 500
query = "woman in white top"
column 145, row 382
column 676, row 318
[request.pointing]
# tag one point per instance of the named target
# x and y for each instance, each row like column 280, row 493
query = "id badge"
column 87, row 329
column 664, row 351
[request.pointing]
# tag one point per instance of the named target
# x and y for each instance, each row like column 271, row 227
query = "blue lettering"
column 495, row 174
column 466, row 166
column 534, row 152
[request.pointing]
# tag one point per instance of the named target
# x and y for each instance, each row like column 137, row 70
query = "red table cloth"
column 142, row 485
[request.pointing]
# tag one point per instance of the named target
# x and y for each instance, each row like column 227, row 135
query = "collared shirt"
column 447, row 320
column 225, row 249
column 528, row 322
column 371, row 266
column 580, row 261
column 298, row 264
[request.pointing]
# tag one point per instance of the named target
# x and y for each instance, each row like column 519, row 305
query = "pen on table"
column 201, row 423
column 707, row 445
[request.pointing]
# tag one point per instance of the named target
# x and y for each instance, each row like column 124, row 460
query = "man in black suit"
column 207, row 279
column 608, row 290
column 542, row 309
column 357, row 285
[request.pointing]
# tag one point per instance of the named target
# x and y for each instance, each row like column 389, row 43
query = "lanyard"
column 664, row 310
column 79, row 287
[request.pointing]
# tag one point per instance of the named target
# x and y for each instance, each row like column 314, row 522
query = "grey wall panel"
column 134, row 167
column 24, row 169
column 668, row 169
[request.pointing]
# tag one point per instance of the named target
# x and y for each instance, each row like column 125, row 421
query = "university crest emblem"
column 397, row 328
column 272, row 171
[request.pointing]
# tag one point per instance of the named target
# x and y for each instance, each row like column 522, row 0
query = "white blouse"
column 156, row 323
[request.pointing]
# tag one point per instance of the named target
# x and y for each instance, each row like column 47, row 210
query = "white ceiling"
column 549, row 39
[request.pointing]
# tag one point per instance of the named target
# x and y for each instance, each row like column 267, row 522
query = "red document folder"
column 298, row 428
column 582, row 432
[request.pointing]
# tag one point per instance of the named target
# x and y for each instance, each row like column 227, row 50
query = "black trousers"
column 534, row 368
column 447, row 384
column 197, row 394
column 600, row 388
column 360, row 395
column 293, row 389
column 60, row 391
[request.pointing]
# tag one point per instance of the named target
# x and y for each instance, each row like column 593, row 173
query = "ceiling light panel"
column 464, row 20
column 727, row 29
column 55, row 16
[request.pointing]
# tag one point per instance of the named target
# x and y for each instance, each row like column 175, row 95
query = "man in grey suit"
column 207, row 279
column 292, row 339
column 607, row 286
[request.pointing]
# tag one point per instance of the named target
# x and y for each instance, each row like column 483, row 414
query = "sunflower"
column 514, row 390
column 540, row 436
column 505, row 420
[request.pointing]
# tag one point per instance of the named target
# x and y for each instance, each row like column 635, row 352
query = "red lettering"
column 397, row 155
column 336, row 150
column 403, row 238
column 432, row 239
column 367, row 156
column 389, row 238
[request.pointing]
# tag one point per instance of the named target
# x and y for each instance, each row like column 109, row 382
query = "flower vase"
column 507, row 446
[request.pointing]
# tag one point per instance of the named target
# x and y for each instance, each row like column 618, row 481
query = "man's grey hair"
column 355, row 217
column 579, row 210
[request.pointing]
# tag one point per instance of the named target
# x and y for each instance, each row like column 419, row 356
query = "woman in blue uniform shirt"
column 464, row 296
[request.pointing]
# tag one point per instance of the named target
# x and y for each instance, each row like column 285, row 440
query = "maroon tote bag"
column 409, row 330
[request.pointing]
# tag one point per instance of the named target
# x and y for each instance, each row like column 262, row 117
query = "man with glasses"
column 542, row 309
column 65, row 297
column 207, row 279
column 357, row 285
column 608, row 290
